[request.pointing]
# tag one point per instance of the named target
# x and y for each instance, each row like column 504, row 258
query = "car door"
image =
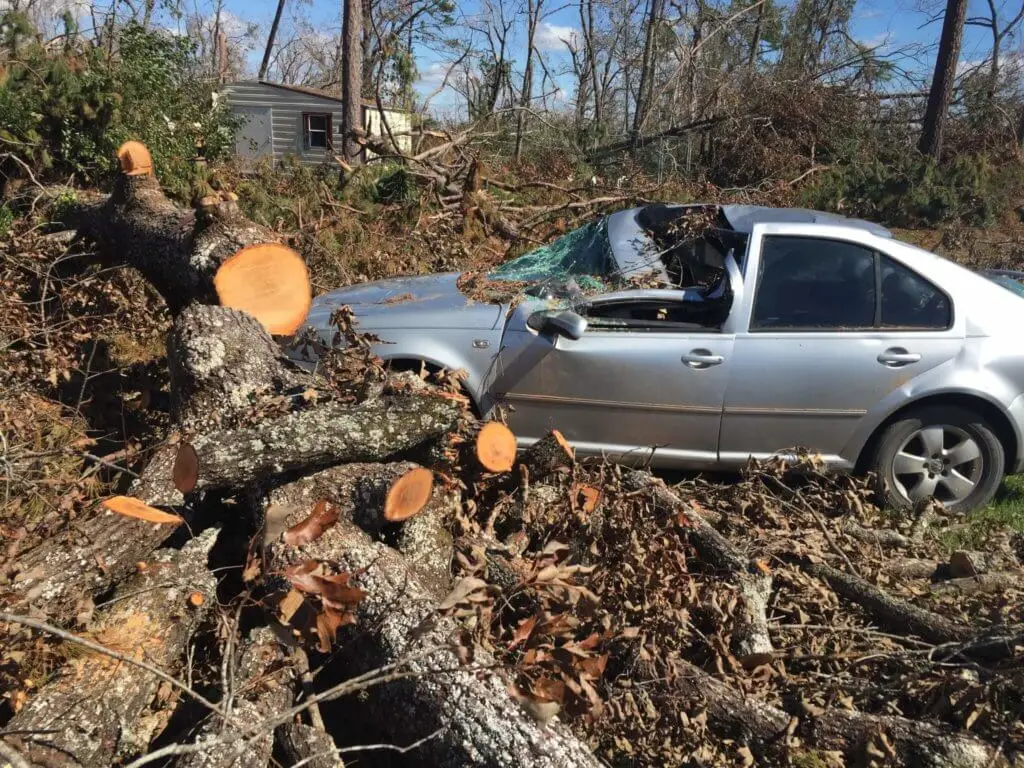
column 835, row 324
column 637, row 380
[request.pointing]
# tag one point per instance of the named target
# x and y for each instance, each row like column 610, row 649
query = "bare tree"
column 533, row 11
column 941, row 93
column 999, row 36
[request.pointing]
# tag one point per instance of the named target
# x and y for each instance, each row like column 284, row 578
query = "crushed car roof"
column 742, row 218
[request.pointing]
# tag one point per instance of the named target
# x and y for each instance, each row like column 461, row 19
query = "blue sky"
column 899, row 27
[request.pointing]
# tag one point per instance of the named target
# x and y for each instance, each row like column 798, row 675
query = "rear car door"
column 638, row 380
column 835, row 324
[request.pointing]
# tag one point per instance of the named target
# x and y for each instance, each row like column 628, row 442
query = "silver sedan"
column 692, row 336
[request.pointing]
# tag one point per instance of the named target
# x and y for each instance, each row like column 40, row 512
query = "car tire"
column 922, row 451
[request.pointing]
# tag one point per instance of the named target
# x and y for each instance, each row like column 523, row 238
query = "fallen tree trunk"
column 333, row 433
column 93, row 709
column 475, row 720
column 303, row 744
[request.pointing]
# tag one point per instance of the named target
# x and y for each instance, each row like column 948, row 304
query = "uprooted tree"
column 489, row 609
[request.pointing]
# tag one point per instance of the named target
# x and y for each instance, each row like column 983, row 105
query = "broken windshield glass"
column 584, row 254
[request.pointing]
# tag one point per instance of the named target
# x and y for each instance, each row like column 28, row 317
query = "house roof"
column 320, row 94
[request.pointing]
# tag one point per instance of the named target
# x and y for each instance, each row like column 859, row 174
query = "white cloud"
column 881, row 40
column 553, row 37
column 433, row 75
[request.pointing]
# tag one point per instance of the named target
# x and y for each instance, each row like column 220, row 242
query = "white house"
column 281, row 120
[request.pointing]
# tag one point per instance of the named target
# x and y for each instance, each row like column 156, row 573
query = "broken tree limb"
column 93, row 709
column 996, row 581
column 476, row 720
column 764, row 728
column 332, row 433
column 882, row 537
column 890, row 611
column 753, row 580
column 549, row 454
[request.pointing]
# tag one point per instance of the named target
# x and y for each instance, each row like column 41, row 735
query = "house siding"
column 287, row 108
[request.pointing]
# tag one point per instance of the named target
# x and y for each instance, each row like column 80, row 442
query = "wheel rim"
column 939, row 461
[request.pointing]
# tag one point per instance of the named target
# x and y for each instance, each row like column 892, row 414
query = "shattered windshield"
column 584, row 254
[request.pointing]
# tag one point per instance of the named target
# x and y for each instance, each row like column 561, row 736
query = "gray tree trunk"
column 351, row 77
column 941, row 94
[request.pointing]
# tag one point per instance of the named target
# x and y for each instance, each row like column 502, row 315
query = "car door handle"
column 702, row 358
column 898, row 356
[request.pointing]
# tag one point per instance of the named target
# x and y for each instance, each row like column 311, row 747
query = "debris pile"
column 313, row 562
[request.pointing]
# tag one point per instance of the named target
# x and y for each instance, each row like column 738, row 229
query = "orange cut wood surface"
column 129, row 507
column 409, row 494
column 269, row 281
column 135, row 159
column 496, row 447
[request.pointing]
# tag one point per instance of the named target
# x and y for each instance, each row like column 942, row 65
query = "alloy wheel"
column 940, row 461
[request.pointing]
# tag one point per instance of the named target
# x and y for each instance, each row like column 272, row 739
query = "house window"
column 316, row 130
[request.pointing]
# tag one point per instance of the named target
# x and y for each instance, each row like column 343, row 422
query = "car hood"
column 426, row 301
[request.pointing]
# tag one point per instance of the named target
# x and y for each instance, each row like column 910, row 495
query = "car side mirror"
column 563, row 322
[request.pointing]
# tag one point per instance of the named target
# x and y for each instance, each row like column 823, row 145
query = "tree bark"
column 892, row 612
column 941, row 94
column 300, row 743
column 95, row 708
column 351, row 77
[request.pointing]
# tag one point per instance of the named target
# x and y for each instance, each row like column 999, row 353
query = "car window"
column 910, row 301
column 810, row 283
column 657, row 316
column 582, row 253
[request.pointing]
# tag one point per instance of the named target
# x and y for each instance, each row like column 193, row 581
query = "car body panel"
column 631, row 394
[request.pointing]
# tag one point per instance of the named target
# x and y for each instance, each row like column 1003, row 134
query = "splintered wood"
column 270, row 282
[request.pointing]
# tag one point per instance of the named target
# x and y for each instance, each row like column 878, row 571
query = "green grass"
column 1005, row 511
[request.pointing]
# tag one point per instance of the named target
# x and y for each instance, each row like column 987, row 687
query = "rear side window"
column 814, row 284
column 808, row 283
column 910, row 301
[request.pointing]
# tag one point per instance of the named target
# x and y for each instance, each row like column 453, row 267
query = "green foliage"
column 6, row 220
column 394, row 185
column 63, row 205
column 67, row 112
column 912, row 190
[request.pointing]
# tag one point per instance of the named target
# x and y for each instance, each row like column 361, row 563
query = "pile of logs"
column 335, row 519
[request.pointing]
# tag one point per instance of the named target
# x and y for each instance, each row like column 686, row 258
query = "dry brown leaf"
column 323, row 516
column 335, row 591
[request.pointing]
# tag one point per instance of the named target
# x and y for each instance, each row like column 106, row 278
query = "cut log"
column 408, row 494
column 549, row 454
column 909, row 568
column 269, row 282
column 753, row 580
column 475, row 720
column 763, row 728
column 265, row 691
column 426, row 542
column 963, row 563
column 180, row 251
column 332, row 433
column 496, row 447
column 303, row 744
column 93, row 709
column 890, row 611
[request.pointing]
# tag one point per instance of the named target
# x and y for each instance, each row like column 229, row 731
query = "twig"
column 369, row 747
